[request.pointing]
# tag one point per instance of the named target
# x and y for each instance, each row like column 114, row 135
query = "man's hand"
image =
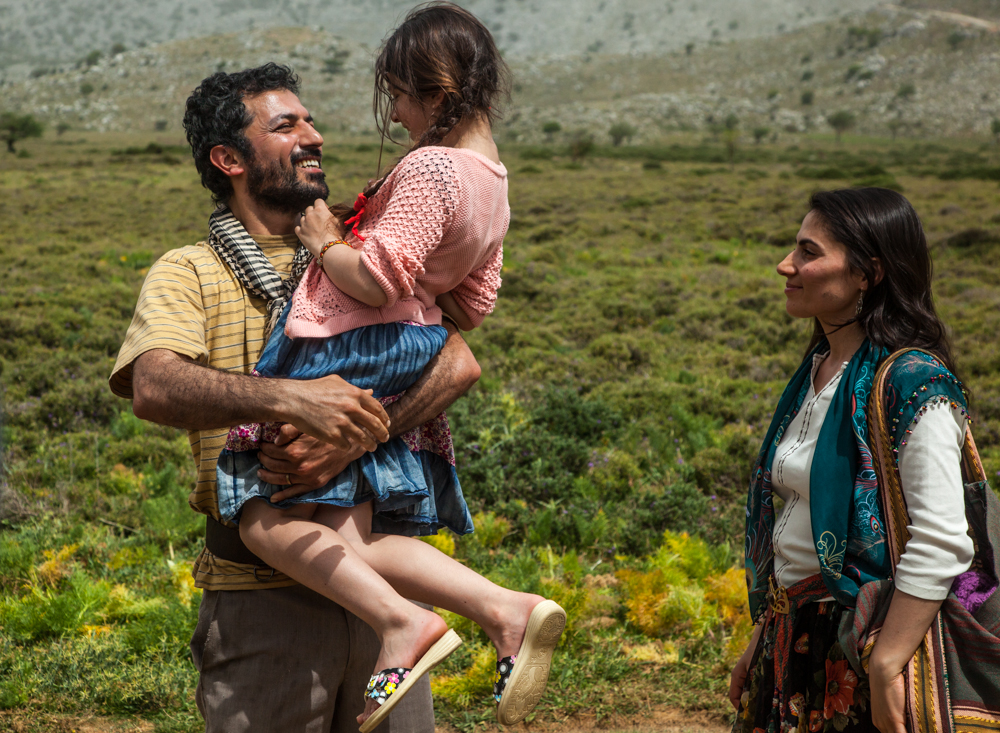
column 336, row 412
column 301, row 462
column 171, row 389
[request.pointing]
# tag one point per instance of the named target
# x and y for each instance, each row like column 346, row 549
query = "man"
column 272, row 655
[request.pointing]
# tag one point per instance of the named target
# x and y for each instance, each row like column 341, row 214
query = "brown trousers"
column 288, row 660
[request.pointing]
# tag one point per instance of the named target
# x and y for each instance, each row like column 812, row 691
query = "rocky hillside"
column 896, row 70
column 52, row 33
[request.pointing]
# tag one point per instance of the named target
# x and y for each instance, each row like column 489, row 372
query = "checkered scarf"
column 252, row 268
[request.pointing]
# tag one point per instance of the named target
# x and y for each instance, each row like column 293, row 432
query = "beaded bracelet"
column 326, row 247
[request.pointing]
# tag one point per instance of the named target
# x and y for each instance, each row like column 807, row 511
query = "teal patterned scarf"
column 846, row 520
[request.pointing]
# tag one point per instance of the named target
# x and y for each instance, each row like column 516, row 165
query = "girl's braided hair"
column 439, row 48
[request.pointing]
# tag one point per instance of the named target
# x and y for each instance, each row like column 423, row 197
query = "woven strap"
column 928, row 704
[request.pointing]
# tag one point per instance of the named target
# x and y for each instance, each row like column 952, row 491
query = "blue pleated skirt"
column 415, row 493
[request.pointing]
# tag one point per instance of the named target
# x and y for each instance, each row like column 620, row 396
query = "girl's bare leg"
column 321, row 559
column 419, row 571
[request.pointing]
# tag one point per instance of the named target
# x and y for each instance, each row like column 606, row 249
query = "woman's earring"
column 861, row 303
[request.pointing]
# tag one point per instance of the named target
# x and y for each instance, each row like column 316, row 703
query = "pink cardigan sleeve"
column 421, row 206
column 477, row 293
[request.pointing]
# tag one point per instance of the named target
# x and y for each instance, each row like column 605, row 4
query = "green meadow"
column 638, row 348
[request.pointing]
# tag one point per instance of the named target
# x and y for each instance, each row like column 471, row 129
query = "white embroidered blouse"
column 930, row 473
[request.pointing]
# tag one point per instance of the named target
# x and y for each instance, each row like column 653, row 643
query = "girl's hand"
column 888, row 700
column 314, row 227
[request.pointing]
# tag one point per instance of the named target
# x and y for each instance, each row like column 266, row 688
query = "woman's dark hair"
column 898, row 310
column 439, row 47
column 215, row 115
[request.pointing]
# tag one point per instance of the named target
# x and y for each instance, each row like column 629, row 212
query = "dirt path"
column 667, row 720
column 967, row 21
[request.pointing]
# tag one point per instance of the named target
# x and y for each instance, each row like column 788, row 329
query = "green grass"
column 638, row 348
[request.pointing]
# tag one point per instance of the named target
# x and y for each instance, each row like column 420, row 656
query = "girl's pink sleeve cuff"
column 378, row 268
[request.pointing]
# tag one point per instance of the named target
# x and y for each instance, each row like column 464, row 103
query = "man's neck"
column 260, row 221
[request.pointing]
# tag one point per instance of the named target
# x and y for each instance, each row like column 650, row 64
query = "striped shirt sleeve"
column 170, row 315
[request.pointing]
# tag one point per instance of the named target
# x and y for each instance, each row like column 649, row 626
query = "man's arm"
column 171, row 389
column 310, row 463
column 447, row 377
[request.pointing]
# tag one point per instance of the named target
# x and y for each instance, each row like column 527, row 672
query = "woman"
column 861, row 270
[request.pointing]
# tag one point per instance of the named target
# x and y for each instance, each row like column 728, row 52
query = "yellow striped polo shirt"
column 192, row 304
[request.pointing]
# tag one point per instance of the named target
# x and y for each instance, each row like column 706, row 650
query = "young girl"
column 425, row 239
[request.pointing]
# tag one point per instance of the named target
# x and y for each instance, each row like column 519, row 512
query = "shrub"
column 15, row 127
column 536, row 153
column 45, row 613
column 581, row 146
column 620, row 132
column 840, row 122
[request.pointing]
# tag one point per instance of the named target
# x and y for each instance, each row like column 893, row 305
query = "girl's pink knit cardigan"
column 436, row 225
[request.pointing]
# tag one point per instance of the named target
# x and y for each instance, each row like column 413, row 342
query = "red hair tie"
column 359, row 209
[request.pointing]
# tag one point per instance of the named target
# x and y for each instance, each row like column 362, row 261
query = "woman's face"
column 411, row 113
column 818, row 281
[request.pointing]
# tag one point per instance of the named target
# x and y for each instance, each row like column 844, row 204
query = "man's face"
column 284, row 173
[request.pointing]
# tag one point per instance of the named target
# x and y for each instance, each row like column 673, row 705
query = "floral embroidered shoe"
column 389, row 686
column 521, row 678
column 385, row 683
column 504, row 667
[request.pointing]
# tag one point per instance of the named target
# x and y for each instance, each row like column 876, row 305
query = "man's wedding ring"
column 288, row 478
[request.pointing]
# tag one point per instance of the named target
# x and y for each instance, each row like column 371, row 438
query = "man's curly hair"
column 215, row 115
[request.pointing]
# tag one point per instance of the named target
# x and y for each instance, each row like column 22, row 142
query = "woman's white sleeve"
column 931, row 476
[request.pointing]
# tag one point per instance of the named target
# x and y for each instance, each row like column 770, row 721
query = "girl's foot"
column 404, row 644
column 510, row 621
column 521, row 678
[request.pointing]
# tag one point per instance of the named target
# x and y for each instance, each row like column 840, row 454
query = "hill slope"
column 50, row 33
column 918, row 73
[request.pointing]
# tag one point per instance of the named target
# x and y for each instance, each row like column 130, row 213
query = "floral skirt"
column 410, row 479
column 799, row 678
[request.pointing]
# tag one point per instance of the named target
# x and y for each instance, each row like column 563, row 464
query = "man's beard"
column 280, row 189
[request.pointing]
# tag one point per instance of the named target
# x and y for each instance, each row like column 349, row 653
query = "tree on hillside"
column 995, row 129
column 621, row 131
column 840, row 122
column 907, row 90
column 581, row 146
column 731, row 135
column 550, row 129
column 807, row 98
column 14, row 127
column 759, row 133
column 895, row 126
